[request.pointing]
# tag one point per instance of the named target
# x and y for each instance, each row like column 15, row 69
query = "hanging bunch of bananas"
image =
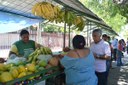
column 66, row 16
column 79, row 23
column 46, row 10
column 43, row 50
column 69, row 17
column 60, row 17
column 54, row 13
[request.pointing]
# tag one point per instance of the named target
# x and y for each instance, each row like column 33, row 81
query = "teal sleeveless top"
column 24, row 49
column 80, row 71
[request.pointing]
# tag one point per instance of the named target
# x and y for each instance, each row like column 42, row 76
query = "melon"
column 5, row 77
column 54, row 61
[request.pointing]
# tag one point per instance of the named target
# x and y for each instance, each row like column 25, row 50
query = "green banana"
column 34, row 58
column 43, row 50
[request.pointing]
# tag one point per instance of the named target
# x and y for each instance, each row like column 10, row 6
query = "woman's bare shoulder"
column 87, row 49
column 71, row 53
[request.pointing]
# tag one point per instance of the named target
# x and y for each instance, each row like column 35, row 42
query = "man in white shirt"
column 115, row 45
column 102, row 52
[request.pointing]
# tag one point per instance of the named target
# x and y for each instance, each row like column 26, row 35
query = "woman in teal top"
column 79, row 64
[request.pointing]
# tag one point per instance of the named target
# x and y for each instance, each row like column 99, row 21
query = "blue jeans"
column 108, row 63
column 119, row 56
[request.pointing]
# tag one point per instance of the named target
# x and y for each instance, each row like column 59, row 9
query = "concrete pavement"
column 119, row 75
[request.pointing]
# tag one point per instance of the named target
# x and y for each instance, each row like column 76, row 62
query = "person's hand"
column 66, row 49
column 95, row 55
column 60, row 56
column 38, row 46
column 12, row 56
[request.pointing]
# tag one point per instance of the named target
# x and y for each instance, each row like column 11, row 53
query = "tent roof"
column 18, row 7
column 23, row 8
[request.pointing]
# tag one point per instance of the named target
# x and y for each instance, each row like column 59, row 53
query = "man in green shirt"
column 23, row 47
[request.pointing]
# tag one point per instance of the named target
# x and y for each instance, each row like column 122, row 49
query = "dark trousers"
column 127, row 49
column 114, row 54
column 102, row 78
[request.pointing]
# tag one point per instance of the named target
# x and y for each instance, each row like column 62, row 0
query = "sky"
column 10, row 22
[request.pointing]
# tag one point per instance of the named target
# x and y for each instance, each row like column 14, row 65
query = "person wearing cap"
column 79, row 64
column 23, row 47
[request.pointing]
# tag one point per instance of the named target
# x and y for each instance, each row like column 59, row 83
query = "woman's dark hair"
column 78, row 42
column 120, row 41
column 23, row 32
column 105, row 35
column 123, row 40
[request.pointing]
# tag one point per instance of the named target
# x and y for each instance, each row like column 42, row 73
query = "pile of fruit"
column 10, row 72
column 55, row 13
column 41, row 59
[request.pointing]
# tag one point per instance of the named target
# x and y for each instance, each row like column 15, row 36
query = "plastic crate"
column 43, row 76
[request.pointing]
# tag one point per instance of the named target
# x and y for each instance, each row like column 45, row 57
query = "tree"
column 51, row 28
column 113, row 14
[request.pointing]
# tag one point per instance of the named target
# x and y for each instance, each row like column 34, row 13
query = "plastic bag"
column 16, row 60
column 44, row 57
column 12, row 56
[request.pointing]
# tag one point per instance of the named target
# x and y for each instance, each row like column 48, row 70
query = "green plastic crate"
column 43, row 74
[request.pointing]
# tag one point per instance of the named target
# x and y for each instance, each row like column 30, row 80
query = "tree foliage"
column 115, row 15
column 54, row 28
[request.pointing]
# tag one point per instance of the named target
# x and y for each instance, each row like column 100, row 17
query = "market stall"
column 44, row 64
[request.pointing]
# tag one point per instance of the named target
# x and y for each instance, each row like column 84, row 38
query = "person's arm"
column 106, row 56
column 13, row 50
column 103, row 57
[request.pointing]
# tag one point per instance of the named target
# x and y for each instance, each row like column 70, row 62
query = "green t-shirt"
column 24, row 49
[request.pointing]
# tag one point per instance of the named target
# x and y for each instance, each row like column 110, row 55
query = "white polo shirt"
column 101, row 48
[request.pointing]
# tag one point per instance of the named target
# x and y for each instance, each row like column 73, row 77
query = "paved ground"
column 119, row 75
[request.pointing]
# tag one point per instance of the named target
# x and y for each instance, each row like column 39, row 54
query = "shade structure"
column 22, row 8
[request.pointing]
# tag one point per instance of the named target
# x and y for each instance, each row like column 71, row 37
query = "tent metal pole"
column 69, row 36
column 39, row 33
column 90, row 34
column 64, row 34
column 87, row 34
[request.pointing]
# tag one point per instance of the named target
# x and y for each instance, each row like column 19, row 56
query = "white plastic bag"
column 16, row 60
column 44, row 57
